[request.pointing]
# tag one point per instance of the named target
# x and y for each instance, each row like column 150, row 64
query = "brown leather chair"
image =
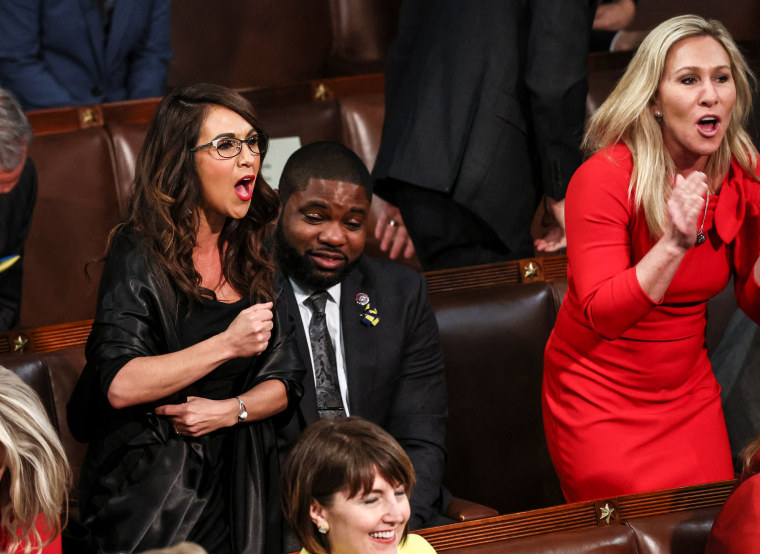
column 493, row 339
column 76, row 207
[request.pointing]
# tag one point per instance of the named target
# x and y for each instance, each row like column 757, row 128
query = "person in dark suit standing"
column 384, row 361
column 70, row 52
column 485, row 106
column 18, row 195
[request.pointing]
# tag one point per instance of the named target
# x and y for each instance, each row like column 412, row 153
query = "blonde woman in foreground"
column 658, row 220
column 345, row 490
column 34, row 472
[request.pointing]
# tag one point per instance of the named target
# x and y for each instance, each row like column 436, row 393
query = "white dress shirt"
column 332, row 313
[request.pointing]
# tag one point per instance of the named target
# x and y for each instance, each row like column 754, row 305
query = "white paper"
column 278, row 153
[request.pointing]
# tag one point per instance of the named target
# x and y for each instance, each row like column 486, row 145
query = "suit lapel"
column 122, row 13
column 308, row 404
column 91, row 14
column 360, row 342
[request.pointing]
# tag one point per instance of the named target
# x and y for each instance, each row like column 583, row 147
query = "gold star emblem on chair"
column 19, row 342
column 606, row 513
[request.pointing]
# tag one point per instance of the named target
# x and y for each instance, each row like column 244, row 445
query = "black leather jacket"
column 136, row 464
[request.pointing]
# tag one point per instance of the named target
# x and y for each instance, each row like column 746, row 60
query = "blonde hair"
column 36, row 469
column 627, row 116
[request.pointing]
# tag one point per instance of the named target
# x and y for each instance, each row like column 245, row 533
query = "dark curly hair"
column 167, row 192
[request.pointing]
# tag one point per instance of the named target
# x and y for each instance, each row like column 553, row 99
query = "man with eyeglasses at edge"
column 18, row 194
column 364, row 327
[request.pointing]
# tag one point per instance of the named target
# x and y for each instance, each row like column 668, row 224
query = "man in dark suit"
column 70, row 52
column 18, row 195
column 384, row 339
column 484, row 112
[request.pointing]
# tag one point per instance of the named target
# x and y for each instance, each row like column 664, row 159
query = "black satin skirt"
column 143, row 486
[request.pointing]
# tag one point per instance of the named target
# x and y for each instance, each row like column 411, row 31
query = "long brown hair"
column 167, row 192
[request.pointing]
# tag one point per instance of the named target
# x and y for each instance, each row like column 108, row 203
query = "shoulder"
column 127, row 242
column 129, row 261
column 392, row 283
column 415, row 544
column 606, row 174
column 615, row 160
column 387, row 273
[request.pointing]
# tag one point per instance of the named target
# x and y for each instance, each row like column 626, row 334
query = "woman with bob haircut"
column 659, row 218
column 34, row 472
column 345, row 489
column 186, row 363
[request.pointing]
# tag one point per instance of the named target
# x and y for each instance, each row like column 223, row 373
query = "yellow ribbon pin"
column 8, row 261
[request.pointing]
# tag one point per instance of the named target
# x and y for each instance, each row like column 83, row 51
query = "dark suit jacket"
column 53, row 53
column 16, row 209
column 484, row 100
column 395, row 370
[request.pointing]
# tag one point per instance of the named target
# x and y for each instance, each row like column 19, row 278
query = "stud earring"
column 658, row 114
column 324, row 528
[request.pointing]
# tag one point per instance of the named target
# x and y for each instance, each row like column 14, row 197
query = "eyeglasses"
column 229, row 147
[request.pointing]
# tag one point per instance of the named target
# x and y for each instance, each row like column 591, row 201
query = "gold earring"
column 323, row 528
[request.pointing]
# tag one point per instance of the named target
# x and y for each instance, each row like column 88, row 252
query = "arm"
column 278, row 380
column 22, row 69
column 149, row 59
column 615, row 293
column 746, row 250
column 418, row 414
column 150, row 378
column 556, row 76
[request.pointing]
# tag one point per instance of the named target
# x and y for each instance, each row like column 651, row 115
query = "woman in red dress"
column 737, row 527
column 664, row 212
column 34, row 472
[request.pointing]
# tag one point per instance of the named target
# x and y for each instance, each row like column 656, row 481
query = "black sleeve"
column 22, row 199
column 556, row 75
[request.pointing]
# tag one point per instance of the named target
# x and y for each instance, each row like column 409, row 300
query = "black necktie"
column 329, row 401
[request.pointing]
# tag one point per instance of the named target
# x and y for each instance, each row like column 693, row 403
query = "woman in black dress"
column 186, row 362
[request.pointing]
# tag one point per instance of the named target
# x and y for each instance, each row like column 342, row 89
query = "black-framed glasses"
column 229, row 147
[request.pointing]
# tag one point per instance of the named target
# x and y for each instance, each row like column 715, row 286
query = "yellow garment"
column 414, row 545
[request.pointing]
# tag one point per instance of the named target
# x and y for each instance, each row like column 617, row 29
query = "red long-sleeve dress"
column 53, row 548
column 629, row 398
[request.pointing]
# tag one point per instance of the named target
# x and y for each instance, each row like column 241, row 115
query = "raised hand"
column 250, row 331
column 686, row 208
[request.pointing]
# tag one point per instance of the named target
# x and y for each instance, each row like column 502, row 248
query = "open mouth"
column 244, row 187
column 708, row 126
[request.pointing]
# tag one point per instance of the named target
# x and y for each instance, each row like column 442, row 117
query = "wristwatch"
column 242, row 414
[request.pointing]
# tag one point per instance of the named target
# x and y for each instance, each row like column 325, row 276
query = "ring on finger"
column 392, row 223
column 176, row 430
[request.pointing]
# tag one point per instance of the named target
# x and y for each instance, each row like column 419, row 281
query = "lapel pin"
column 362, row 299
column 8, row 261
column 369, row 315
